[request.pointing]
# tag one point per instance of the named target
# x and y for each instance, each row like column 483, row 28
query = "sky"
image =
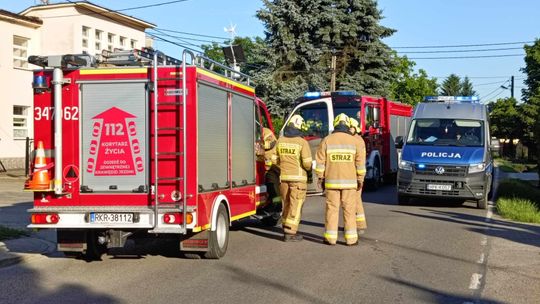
column 418, row 23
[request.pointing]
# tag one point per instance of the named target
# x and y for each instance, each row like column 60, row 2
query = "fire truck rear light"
column 45, row 218
column 172, row 218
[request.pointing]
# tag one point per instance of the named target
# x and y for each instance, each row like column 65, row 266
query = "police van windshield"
column 446, row 132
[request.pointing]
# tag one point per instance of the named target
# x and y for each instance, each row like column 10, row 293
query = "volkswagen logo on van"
column 439, row 170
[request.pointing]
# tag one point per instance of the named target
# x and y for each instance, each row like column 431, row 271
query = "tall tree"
column 303, row 35
column 504, row 117
column 467, row 87
column 451, row 86
column 531, row 93
column 408, row 86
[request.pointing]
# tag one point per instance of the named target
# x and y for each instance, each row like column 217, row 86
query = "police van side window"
column 316, row 117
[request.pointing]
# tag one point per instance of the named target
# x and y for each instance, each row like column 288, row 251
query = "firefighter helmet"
column 341, row 119
column 354, row 124
column 298, row 122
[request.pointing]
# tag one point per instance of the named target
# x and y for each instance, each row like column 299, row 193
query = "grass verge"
column 10, row 233
column 519, row 201
column 506, row 165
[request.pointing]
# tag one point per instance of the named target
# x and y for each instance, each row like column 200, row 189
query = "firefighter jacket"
column 294, row 156
column 341, row 160
column 269, row 145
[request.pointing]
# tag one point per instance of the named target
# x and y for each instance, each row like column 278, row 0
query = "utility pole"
column 333, row 69
column 512, row 86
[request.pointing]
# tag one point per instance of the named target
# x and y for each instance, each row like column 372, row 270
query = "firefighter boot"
column 292, row 237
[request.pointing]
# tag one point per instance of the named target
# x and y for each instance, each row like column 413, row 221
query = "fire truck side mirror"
column 399, row 142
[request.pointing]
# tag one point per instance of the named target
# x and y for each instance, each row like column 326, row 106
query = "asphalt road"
column 425, row 252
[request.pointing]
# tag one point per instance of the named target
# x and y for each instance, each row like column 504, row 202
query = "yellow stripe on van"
column 114, row 71
column 226, row 80
column 234, row 218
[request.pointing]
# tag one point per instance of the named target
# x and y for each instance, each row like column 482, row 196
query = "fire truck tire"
column 219, row 239
column 374, row 183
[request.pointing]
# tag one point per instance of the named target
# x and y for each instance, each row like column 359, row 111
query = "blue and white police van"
column 446, row 153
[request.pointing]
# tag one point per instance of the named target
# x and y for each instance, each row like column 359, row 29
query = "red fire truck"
column 382, row 122
column 139, row 144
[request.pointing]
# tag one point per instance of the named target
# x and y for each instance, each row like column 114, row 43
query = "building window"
column 133, row 44
column 123, row 41
column 20, row 121
column 98, row 35
column 85, row 43
column 110, row 38
column 20, row 52
column 85, row 31
column 98, row 46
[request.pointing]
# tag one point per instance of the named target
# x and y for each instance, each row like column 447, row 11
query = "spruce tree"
column 451, row 86
column 302, row 36
column 467, row 87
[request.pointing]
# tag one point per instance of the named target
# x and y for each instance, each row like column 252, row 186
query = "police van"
column 447, row 152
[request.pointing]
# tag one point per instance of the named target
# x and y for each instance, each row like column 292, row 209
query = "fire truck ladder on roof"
column 159, row 227
column 135, row 57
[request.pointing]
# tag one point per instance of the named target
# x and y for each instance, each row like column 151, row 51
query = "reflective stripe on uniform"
column 360, row 217
column 351, row 234
column 337, row 147
column 360, row 170
column 299, row 178
column 341, row 183
column 307, row 160
column 291, row 221
column 319, row 168
column 330, row 234
column 351, row 151
column 268, row 162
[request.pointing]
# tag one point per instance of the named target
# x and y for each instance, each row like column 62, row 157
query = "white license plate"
column 439, row 187
column 111, row 218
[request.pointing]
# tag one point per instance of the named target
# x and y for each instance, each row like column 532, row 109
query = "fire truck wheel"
column 219, row 238
column 374, row 183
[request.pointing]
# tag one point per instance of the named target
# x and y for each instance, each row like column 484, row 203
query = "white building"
column 54, row 29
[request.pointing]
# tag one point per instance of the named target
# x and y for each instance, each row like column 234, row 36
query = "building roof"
column 445, row 110
column 13, row 17
column 96, row 10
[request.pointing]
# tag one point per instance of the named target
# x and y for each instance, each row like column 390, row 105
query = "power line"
column 186, row 38
column 462, row 51
column 489, row 83
column 194, row 34
column 112, row 11
column 459, row 45
column 468, row 57
column 175, row 43
column 493, row 98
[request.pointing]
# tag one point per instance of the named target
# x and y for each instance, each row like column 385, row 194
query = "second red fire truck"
column 382, row 121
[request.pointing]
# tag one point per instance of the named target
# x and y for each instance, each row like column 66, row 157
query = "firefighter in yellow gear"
column 271, row 167
column 294, row 159
column 341, row 170
column 361, row 223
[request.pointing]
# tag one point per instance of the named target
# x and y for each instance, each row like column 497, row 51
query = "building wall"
column 57, row 35
column 15, row 89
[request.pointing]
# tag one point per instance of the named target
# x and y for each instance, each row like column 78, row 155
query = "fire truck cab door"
column 318, row 116
column 114, row 136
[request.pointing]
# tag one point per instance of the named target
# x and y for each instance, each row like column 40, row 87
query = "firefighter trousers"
column 346, row 198
column 361, row 222
column 293, row 195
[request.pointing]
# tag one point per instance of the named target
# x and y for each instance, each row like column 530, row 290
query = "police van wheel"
column 482, row 203
column 402, row 199
column 219, row 239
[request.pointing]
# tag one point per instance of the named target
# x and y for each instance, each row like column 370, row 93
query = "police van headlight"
column 406, row 165
column 475, row 168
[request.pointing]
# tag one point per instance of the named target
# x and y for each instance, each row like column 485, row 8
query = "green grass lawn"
column 519, row 201
column 9, row 233
column 515, row 166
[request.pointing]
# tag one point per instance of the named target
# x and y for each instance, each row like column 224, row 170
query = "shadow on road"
column 258, row 281
column 21, row 285
column 517, row 232
column 430, row 295
column 387, row 196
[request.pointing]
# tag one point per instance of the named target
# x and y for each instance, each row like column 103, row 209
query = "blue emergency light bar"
column 328, row 93
column 464, row 99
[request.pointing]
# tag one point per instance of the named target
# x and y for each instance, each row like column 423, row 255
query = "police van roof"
column 450, row 111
